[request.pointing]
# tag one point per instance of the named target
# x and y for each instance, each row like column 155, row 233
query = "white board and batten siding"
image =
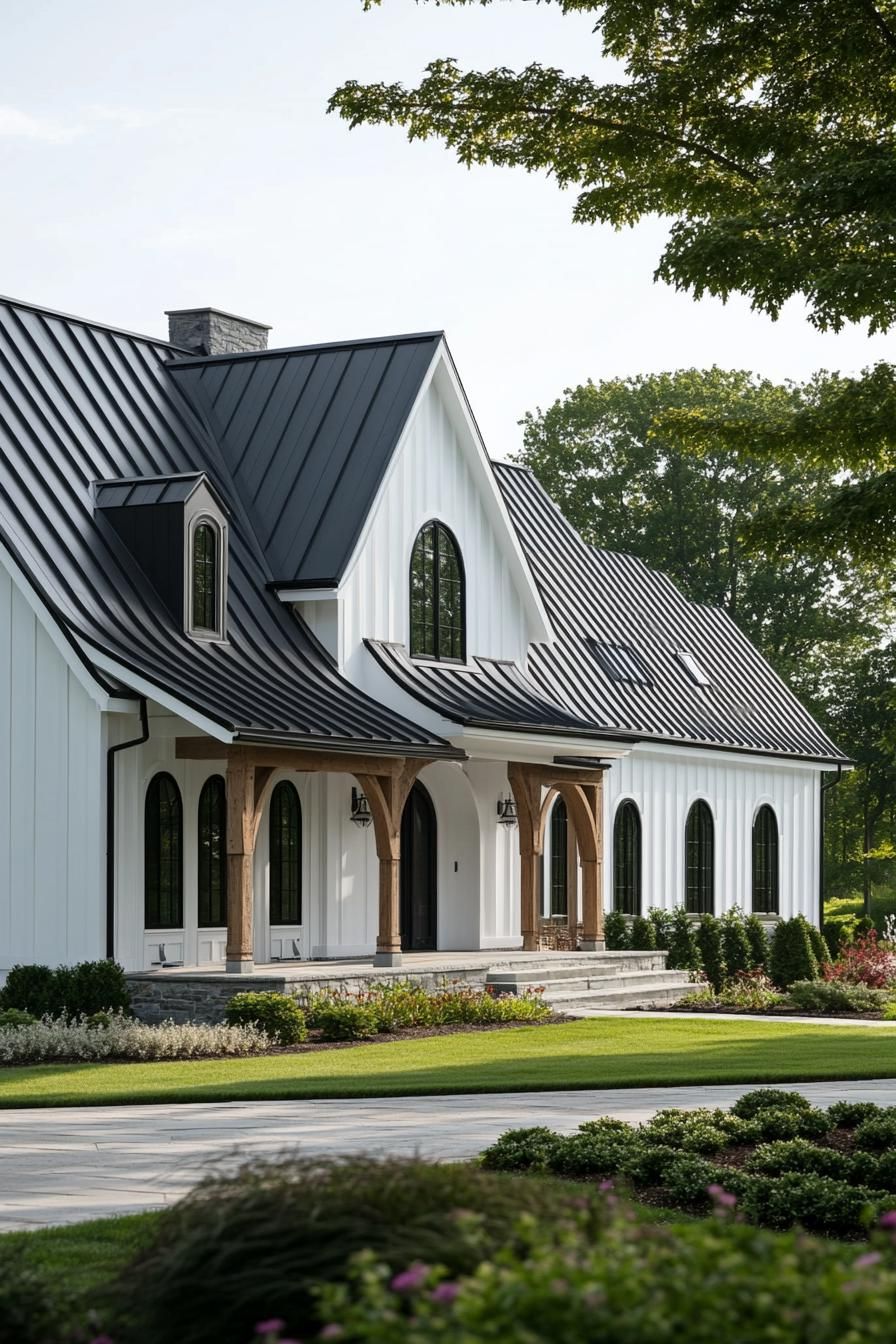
column 664, row 784
column 52, row 800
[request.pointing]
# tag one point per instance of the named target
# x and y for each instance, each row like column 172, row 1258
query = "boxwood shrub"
column 86, row 988
column 877, row 1133
column 279, row 1016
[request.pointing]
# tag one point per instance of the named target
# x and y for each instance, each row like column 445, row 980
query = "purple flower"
column 409, row 1280
column 606, row 1185
column 445, row 1292
column 888, row 1219
column 721, row 1197
column 271, row 1327
column 868, row 1259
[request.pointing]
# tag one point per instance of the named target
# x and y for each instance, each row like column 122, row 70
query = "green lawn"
column 598, row 1052
column 85, row 1256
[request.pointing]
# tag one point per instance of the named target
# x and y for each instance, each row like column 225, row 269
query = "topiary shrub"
column 240, row 1247
column 791, row 957
column 736, row 952
column 758, row 940
column 342, row 1020
column 662, row 927
column 279, row 1016
column 616, row 937
column 864, row 925
column 817, row 943
column 684, row 954
column 643, row 935
column 751, row 1104
column 832, row 933
column 709, row 941
column 30, row 989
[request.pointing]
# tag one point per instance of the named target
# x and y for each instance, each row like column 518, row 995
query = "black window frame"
column 558, row 878
column 161, row 870
column 627, row 858
column 211, row 601
column 278, row 864
column 699, row 859
column 211, row 857
column 766, row 861
column 431, row 624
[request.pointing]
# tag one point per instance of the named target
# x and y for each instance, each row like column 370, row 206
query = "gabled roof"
column 140, row 490
column 81, row 403
column 616, row 600
column 307, row 435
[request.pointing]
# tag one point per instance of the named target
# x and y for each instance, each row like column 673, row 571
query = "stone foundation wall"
column 157, row 995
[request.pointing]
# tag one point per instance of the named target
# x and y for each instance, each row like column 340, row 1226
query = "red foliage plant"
column 864, row 962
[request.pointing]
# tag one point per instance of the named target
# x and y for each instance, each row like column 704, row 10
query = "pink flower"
column 332, row 1331
column 271, row 1327
column 721, row 1197
column 606, row 1185
column 445, row 1292
column 409, row 1280
column 868, row 1259
column 888, row 1219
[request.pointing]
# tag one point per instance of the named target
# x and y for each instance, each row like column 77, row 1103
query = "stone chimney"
column 209, row 331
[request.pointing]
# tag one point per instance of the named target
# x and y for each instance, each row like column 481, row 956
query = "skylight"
column 622, row 663
column 689, row 662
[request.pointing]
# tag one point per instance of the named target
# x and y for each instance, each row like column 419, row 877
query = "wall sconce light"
column 360, row 813
column 506, row 812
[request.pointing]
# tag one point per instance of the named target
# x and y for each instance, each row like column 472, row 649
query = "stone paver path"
column 65, row 1165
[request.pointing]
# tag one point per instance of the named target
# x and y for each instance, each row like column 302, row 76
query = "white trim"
column 458, row 410
column 154, row 692
column 758, row 760
column 494, row 745
column 97, row 693
column 290, row 595
column 204, row 518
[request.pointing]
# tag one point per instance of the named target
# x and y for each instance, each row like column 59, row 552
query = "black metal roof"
column 607, row 599
column 150, row 490
column 307, row 435
column 81, row 403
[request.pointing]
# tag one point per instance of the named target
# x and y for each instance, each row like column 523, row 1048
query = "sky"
column 179, row 154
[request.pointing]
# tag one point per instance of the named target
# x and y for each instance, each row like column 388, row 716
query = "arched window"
column 437, row 595
column 205, row 604
column 698, row 891
column 627, row 859
column 212, row 856
column 286, row 855
column 163, row 895
column 557, row 890
column 765, row 861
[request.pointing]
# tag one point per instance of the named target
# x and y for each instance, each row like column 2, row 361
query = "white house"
column 290, row 669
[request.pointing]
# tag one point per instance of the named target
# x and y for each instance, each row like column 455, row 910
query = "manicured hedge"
column 86, row 988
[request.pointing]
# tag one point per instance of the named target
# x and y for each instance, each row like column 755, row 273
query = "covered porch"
column 386, row 783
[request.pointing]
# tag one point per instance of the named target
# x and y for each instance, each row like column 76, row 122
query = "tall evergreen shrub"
column 684, row 954
column 643, row 935
column 709, row 941
column 817, row 943
column 662, row 927
column 735, row 944
column 791, row 955
column 758, row 940
column 616, row 937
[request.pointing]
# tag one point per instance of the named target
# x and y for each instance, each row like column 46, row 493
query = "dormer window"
column 437, row 596
column 206, row 614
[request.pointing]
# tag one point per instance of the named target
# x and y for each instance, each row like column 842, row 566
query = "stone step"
column 644, row 982
column 633, row 998
column 513, row 979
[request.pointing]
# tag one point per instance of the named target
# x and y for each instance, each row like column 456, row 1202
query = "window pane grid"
column 162, row 855
column 699, row 860
column 205, row 578
column 765, row 861
column 436, row 596
column 558, row 884
column 285, row 856
column 627, row 860
column 212, row 856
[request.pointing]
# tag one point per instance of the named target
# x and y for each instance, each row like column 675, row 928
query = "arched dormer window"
column 437, row 596
column 699, row 844
column 206, row 582
column 627, row 859
column 212, row 856
column 163, row 847
column 765, row 861
column 285, row 855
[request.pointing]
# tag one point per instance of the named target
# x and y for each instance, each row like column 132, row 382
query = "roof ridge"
column 403, row 338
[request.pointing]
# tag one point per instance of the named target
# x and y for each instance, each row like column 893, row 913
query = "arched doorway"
column 418, row 873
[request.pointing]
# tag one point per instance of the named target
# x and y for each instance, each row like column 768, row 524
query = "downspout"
column 824, row 788
column 110, row 823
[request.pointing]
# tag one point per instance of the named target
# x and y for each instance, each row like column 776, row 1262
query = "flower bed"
column 399, row 1005
column 116, row 1037
column 773, row 1157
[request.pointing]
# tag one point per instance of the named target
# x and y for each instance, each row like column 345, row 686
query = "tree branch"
column 879, row 22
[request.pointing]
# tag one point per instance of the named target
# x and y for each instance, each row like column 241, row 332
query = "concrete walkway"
column 64, row 1165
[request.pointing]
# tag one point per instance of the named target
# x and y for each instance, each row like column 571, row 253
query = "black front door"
column 418, row 873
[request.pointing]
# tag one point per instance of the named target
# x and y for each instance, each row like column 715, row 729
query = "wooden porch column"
column 245, row 785
column 387, row 795
column 584, row 804
column 526, row 789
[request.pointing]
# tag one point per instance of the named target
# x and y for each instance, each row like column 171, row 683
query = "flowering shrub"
column 864, row 962
column 633, row 1282
column 397, row 1004
column 75, row 1038
column 750, row 991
